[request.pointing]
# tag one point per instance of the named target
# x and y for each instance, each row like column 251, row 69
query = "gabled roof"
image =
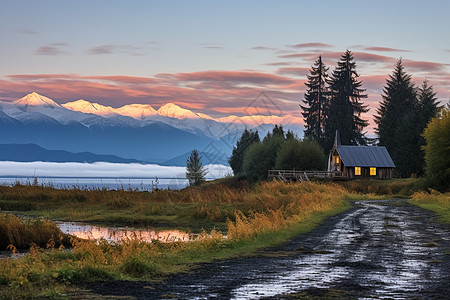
column 365, row 156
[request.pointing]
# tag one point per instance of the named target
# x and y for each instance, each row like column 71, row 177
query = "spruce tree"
column 402, row 117
column 408, row 154
column 315, row 101
column 344, row 108
column 399, row 99
column 195, row 171
column 247, row 138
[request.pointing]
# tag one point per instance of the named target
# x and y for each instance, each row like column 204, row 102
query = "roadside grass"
column 272, row 213
column 434, row 201
column 387, row 189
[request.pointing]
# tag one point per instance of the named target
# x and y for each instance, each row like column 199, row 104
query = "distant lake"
column 141, row 184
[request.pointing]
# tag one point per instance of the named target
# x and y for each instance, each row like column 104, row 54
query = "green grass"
column 434, row 201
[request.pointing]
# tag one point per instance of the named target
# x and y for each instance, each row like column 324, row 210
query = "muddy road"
column 378, row 249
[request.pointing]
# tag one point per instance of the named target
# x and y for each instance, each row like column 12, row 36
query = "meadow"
column 233, row 220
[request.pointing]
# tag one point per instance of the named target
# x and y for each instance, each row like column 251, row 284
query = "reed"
column 23, row 233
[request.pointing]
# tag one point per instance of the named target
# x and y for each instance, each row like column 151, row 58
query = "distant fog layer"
column 101, row 170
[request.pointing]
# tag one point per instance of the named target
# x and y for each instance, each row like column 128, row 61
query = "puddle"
column 116, row 235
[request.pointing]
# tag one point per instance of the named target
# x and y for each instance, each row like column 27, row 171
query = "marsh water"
column 117, row 234
column 379, row 249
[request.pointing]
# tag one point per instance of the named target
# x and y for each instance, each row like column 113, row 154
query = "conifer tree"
column 408, row 154
column 344, row 108
column 195, row 171
column 399, row 99
column 247, row 138
column 315, row 101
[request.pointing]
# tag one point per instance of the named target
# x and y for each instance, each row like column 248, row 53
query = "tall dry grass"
column 21, row 234
column 277, row 205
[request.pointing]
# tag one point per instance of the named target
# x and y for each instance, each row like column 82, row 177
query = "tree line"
column 335, row 102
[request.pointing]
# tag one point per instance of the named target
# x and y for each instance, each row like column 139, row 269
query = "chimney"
column 337, row 140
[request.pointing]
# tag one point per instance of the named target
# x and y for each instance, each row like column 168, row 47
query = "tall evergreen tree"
column 399, row 99
column 247, row 138
column 195, row 171
column 344, row 109
column 408, row 154
column 428, row 104
column 315, row 101
column 402, row 117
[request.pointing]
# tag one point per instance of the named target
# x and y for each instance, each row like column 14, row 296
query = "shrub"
column 300, row 155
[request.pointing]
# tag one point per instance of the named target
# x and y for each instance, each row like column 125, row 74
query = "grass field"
column 237, row 220
column 265, row 215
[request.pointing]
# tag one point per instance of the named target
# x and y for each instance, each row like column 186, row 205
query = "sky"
column 214, row 57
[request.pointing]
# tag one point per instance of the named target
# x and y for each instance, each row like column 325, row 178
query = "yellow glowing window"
column 337, row 159
column 357, row 170
column 373, row 171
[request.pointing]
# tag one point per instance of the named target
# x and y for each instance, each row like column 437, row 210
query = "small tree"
column 195, row 171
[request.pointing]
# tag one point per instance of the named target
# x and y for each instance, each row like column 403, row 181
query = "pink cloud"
column 423, row 66
column 385, row 49
column 312, row 45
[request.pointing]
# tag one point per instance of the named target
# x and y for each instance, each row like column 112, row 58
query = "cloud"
column 113, row 49
column 423, row 66
column 214, row 47
column 311, row 45
column 52, row 49
column 385, row 49
column 277, row 64
column 299, row 55
column 262, row 48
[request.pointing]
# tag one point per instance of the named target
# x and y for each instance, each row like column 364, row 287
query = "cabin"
column 358, row 162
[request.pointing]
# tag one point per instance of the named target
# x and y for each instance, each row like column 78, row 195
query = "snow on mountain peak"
column 88, row 107
column 34, row 99
column 137, row 111
column 174, row 111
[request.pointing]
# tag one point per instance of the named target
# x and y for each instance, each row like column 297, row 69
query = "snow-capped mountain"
column 89, row 108
column 136, row 111
column 174, row 111
column 132, row 131
column 34, row 99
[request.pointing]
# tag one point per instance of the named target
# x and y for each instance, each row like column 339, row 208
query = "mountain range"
column 134, row 131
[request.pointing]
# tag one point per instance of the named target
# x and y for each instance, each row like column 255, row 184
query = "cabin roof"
column 365, row 156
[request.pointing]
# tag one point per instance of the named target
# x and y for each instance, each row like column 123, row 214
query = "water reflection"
column 118, row 234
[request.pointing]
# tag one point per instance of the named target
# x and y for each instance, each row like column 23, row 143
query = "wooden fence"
column 293, row 175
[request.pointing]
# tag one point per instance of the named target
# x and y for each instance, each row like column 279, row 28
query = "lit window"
column 337, row 159
column 357, row 170
column 373, row 171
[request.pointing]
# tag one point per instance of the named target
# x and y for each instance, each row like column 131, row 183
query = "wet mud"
column 378, row 249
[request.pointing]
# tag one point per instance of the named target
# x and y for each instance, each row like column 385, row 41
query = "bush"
column 300, row 155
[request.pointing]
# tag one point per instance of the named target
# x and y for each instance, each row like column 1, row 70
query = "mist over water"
column 101, row 174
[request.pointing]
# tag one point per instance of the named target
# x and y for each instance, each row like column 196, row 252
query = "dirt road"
column 379, row 249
